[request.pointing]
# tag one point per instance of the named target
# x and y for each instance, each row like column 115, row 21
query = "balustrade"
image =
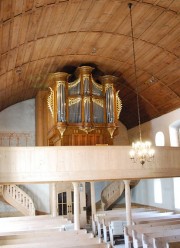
column 13, row 192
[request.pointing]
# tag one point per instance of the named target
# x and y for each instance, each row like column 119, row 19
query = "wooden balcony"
column 83, row 163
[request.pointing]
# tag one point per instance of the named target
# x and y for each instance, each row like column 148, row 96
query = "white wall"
column 149, row 129
column 121, row 139
column 19, row 119
column 99, row 186
column 143, row 192
column 39, row 193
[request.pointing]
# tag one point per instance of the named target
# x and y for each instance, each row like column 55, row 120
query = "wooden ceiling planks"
column 3, row 63
column 56, row 18
column 159, row 100
column 175, row 87
column 160, row 27
column 69, row 16
column 5, row 37
column 164, row 4
column 170, row 41
column 44, row 22
column 175, row 6
column 79, row 19
column 42, row 36
column 28, row 5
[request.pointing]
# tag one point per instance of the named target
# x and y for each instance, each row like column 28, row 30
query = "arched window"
column 174, row 133
column 157, row 191
column 176, row 192
column 159, row 139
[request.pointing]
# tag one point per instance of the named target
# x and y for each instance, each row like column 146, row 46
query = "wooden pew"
column 100, row 215
column 161, row 218
column 103, row 221
column 29, row 218
column 147, row 239
column 103, row 226
column 58, row 239
column 168, row 242
column 140, row 227
column 116, row 232
column 137, row 234
column 40, row 237
column 173, row 244
column 37, row 245
column 34, row 224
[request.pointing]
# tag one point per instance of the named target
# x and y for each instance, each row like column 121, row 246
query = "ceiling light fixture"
column 141, row 151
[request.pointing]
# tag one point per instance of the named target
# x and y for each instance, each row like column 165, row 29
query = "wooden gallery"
column 89, row 123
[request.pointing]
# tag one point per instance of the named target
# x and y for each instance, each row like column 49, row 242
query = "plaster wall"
column 149, row 129
column 18, row 121
column 143, row 193
column 121, row 136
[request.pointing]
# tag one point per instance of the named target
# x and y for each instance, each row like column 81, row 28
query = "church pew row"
column 167, row 242
column 100, row 215
column 34, row 224
column 147, row 239
column 159, row 230
column 104, row 220
column 111, row 228
column 164, row 217
column 58, row 239
column 27, row 218
column 43, row 233
column 172, row 244
column 131, row 232
column 37, row 245
column 151, row 226
column 57, row 236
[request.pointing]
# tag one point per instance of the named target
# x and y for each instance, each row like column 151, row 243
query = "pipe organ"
column 82, row 112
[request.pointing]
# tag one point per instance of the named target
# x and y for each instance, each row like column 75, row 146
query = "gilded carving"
column 61, row 83
column 74, row 83
column 50, row 101
column 98, row 86
column 118, row 104
column 73, row 101
column 99, row 102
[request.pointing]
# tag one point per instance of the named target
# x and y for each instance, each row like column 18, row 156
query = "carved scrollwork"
column 50, row 102
column 73, row 101
column 118, row 104
column 99, row 102
column 74, row 83
column 61, row 83
column 98, row 86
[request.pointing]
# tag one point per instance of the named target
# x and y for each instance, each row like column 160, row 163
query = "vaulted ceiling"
column 42, row 36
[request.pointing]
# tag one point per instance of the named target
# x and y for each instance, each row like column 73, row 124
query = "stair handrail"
column 20, row 197
column 111, row 193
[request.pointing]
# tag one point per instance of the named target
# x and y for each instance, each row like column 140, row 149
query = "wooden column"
column 128, row 202
column 93, row 201
column 40, row 118
column 76, row 206
column 53, row 199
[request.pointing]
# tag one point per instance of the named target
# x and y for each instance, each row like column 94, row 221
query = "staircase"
column 112, row 192
column 17, row 198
